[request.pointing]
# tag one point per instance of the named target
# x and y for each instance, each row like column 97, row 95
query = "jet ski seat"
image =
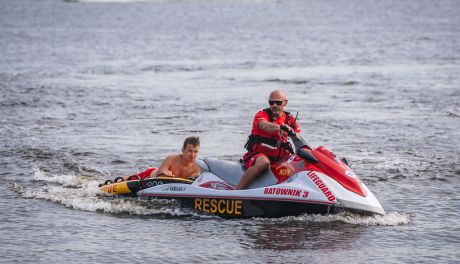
column 202, row 165
column 231, row 172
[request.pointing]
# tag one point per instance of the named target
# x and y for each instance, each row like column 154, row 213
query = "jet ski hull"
column 247, row 208
column 298, row 195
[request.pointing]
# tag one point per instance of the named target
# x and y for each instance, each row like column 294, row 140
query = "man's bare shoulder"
column 172, row 157
column 196, row 167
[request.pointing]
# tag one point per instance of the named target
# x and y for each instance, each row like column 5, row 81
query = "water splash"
column 64, row 180
column 389, row 219
column 82, row 193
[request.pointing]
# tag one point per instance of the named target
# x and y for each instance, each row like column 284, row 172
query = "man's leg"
column 262, row 163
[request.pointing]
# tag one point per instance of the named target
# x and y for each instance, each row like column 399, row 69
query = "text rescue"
column 220, row 206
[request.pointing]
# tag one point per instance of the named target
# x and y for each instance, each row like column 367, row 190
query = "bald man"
column 268, row 140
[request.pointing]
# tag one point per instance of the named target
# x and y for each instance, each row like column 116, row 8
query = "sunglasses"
column 270, row 102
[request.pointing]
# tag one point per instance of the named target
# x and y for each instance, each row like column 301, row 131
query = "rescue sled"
column 130, row 185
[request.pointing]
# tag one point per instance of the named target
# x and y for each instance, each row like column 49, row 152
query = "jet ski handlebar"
column 290, row 132
column 301, row 147
column 300, row 144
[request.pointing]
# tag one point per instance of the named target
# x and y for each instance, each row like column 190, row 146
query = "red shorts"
column 140, row 175
column 249, row 159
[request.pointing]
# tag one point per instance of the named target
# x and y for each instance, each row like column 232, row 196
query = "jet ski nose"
column 338, row 170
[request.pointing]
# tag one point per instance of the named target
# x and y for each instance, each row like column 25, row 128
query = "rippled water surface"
column 92, row 90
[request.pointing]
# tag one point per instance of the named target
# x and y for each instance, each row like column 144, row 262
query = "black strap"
column 270, row 114
column 272, row 118
column 256, row 139
column 288, row 117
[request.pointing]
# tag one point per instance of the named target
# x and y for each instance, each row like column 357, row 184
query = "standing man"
column 268, row 140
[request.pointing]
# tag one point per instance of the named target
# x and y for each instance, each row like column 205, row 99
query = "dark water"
column 95, row 90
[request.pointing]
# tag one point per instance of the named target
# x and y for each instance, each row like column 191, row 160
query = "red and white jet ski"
column 310, row 181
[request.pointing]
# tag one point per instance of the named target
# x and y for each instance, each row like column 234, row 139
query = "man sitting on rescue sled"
column 181, row 165
column 268, row 140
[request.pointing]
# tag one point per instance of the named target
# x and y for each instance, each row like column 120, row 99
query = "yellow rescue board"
column 117, row 188
column 132, row 187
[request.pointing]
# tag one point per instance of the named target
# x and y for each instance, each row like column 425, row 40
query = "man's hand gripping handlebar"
column 288, row 130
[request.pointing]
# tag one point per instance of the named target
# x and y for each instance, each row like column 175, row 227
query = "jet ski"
column 310, row 181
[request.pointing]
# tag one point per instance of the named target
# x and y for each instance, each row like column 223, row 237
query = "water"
column 93, row 90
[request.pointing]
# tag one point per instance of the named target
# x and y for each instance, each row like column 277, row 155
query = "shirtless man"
column 181, row 165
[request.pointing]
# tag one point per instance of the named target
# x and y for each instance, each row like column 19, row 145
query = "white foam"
column 86, row 195
column 86, row 199
column 389, row 219
column 64, row 180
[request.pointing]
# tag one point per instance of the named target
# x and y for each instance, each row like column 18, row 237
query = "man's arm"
column 164, row 168
column 263, row 122
column 272, row 127
column 196, row 172
column 268, row 126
